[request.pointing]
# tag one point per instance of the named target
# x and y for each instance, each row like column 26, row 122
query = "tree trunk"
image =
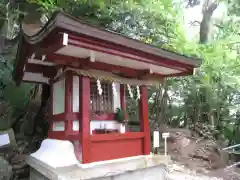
column 205, row 24
column 41, row 123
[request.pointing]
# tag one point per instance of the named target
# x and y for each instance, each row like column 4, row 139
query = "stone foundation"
column 150, row 167
column 153, row 173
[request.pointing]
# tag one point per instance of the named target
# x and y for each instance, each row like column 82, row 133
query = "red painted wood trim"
column 144, row 122
column 108, row 51
column 68, row 101
column 113, row 131
column 84, row 118
column 74, row 136
column 90, row 43
column 186, row 73
column 117, row 136
column 52, row 43
column 75, row 116
column 122, row 96
column 103, row 117
column 68, row 91
column 48, row 71
column 58, row 117
column 63, row 59
column 60, row 135
column 65, row 116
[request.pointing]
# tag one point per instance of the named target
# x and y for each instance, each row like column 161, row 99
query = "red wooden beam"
column 117, row 136
column 68, row 101
column 84, row 118
column 144, row 122
column 122, row 96
column 87, row 64
column 143, row 73
column 67, row 60
column 52, row 43
column 186, row 73
column 122, row 51
column 48, row 71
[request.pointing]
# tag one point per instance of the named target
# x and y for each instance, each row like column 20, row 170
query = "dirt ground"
column 197, row 159
column 176, row 171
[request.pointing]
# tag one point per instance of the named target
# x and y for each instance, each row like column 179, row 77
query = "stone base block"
column 65, row 167
column 136, row 168
column 153, row 173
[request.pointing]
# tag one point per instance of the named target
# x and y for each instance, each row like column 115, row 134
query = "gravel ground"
column 179, row 172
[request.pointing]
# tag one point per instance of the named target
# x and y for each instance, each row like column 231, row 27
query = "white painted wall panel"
column 58, row 126
column 59, row 97
column 75, row 125
column 75, row 94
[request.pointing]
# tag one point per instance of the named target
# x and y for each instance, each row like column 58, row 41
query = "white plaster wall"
column 58, row 97
column 58, row 126
column 75, row 94
column 75, row 125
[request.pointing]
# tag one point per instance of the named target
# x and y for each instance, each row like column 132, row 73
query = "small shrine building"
column 90, row 70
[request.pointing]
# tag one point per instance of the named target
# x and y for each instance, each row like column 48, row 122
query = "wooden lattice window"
column 103, row 103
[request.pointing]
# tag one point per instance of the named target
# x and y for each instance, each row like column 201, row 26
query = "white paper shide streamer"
column 130, row 91
column 114, row 89
column 138, row 93
column 99, row 87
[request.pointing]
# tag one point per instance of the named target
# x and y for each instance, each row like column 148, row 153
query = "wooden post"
column 84, row 117
column 144, row 122
column 68, row 102
column 122, row 97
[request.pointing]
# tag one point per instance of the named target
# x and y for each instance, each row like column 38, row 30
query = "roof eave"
column 68, row 23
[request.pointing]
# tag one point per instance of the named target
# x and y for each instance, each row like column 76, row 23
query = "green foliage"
column 120, row 115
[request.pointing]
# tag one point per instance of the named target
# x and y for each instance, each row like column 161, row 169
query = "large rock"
column 5, row 169
column 203, row 152
column 207, row 150
column 179, row 139
column 6, row 119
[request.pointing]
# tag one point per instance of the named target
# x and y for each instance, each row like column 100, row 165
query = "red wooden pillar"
column 144, row 122
column 84, row 117
column 68, row 102
column 122, row 96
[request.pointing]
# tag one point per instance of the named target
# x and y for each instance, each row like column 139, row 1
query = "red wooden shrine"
column 74, row 57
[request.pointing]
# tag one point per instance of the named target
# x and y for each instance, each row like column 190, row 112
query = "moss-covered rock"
column 5, row 169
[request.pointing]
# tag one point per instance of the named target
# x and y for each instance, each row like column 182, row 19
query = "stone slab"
column 142, row 167
column 153, row 173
